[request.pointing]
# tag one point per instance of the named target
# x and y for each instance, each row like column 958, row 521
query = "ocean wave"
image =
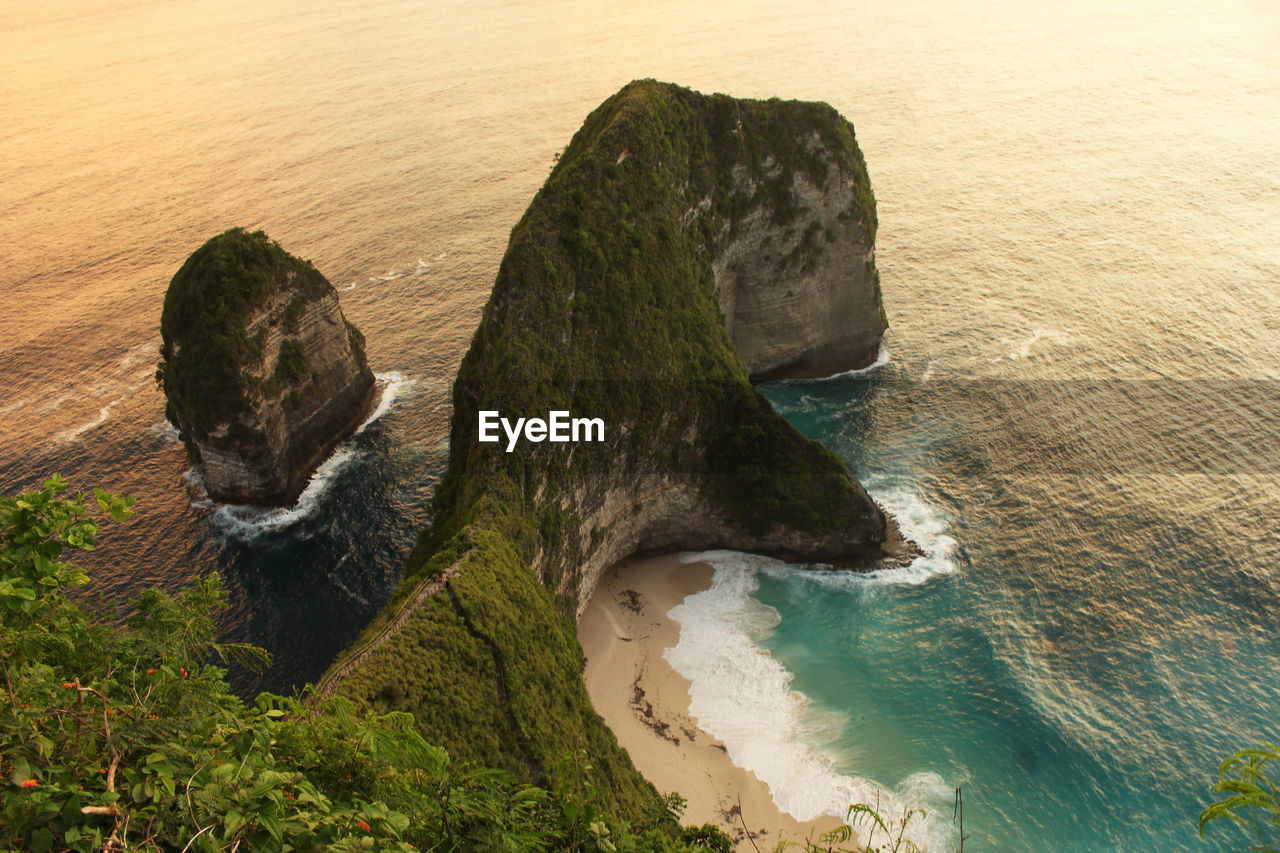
column 1021, row 349
column 394, row 385
column 742, row 695
column 923, row 524
column 113, row 386
column 919, row 521
column 243, row 521
column 165, row 431
column 246, row 522
column 336, row 580
column 70, row 435
column 883, row 357
column 420, row 267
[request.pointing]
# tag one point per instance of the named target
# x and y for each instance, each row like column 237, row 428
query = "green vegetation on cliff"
column 605, row 306
column 128, row 738
column 205, row 352
column 262, row 373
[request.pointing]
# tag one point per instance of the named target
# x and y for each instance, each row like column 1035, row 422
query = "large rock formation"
column 262, row 373
column 667, row 206
column 677, row 231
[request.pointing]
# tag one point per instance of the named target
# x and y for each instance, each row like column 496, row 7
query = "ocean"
column 1074, row 414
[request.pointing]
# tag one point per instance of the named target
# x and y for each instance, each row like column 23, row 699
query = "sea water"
column 1078, row 211
column 1078, row 647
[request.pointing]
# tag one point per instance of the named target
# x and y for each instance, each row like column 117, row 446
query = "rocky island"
column 262, row 373
column 682, row 245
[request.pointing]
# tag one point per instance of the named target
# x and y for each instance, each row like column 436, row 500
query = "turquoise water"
column 1084, row 643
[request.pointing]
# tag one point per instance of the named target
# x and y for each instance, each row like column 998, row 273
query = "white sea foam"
column 70, row 435
column 336, row 580
column 883, row 357
column 135, row 353
column 394, row 384
column 247, row 522
column 1022, row 348
column 13, row 407
column 194, row 485
column 164, row 431
column 742, row 695
column 919, row 522
column 923, row 524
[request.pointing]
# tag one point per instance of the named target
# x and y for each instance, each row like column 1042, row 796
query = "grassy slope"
column 604, row 305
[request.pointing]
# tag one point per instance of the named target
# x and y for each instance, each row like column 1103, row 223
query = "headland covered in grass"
column 610, row 304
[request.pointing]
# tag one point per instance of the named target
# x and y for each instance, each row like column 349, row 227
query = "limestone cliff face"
column 802, row 301
column 663, row 513
column 262, row 373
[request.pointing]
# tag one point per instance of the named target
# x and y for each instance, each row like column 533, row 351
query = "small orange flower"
column 362, row 825
column 152, row 671
column 68, row 684
column 153, row 716
column 111, row 711
column 182, row 670
column 30, row 783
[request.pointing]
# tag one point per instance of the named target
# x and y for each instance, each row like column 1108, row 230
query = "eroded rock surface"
column 263, row 375
column 802, row 300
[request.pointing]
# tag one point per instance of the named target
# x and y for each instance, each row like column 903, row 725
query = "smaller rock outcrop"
column 262, row 373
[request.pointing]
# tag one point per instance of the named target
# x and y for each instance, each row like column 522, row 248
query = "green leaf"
column 41, row 840
column 21, row 771
column 271, row 824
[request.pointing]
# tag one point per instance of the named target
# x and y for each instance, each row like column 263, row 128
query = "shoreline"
column 623, row 631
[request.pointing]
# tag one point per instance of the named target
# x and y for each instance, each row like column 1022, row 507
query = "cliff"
column 262, row 373
column 676, row 231
column 796, row 279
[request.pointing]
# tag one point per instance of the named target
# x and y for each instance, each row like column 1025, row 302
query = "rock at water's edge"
column 683, row 245
column 803, row 301
column 262, row 373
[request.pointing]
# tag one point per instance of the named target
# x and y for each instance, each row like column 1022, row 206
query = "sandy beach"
column 624, row 631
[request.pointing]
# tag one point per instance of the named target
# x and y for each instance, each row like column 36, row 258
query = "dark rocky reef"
column 262, row 373
column 677, row 233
